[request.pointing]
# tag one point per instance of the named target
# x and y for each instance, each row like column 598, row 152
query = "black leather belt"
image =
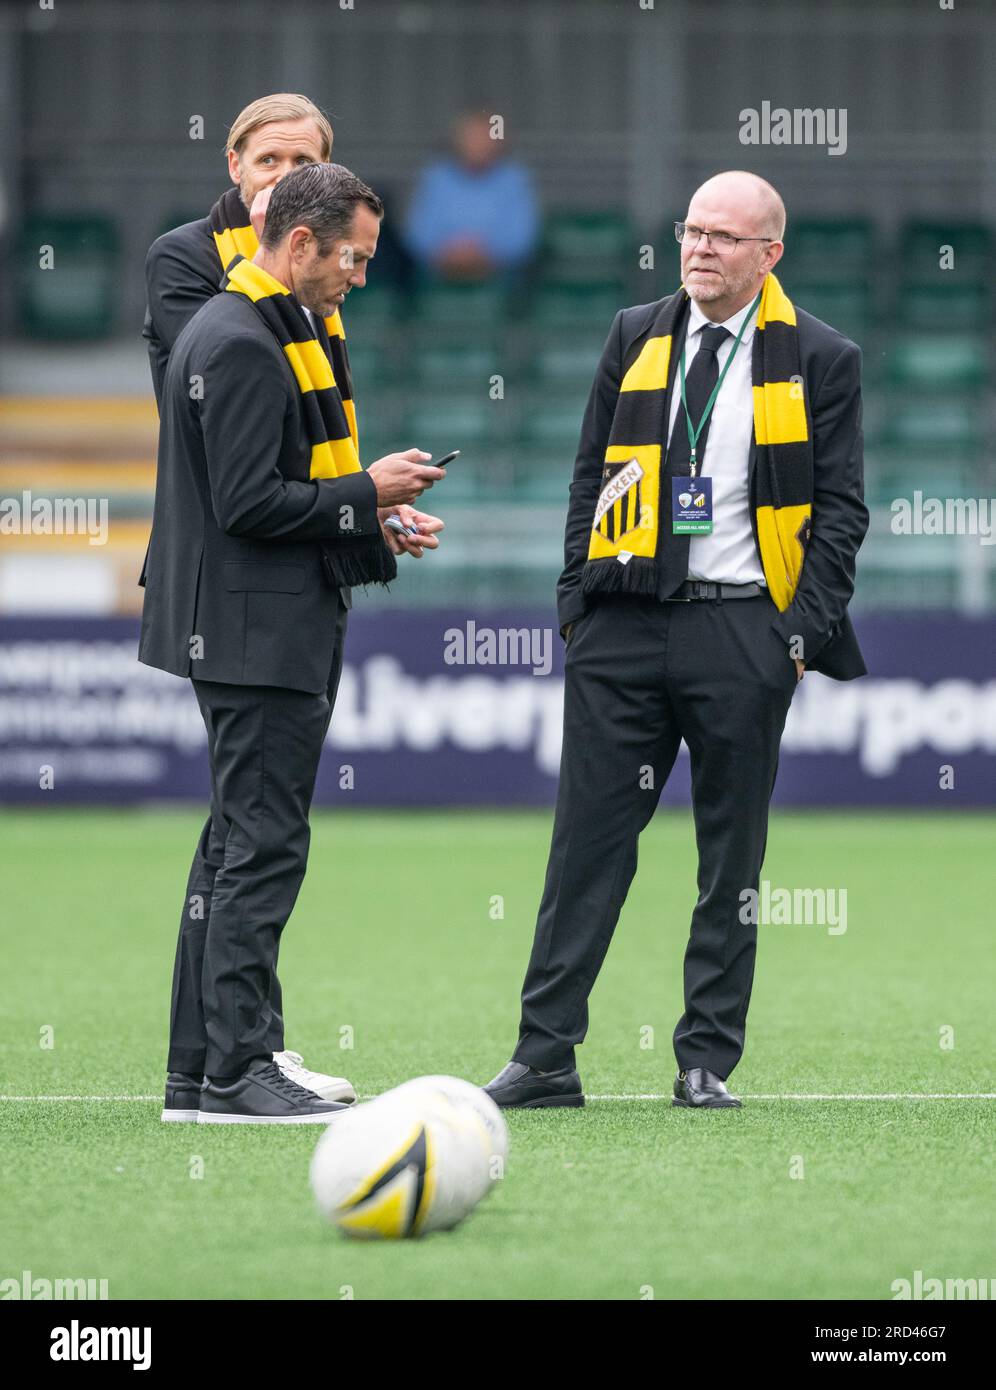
column 701, row 588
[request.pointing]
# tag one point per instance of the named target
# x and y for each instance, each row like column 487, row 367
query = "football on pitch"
column 417, row 1159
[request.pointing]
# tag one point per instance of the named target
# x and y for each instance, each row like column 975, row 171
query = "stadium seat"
column 76, row 298
column 374, row 305
column 920, row 245
column 575, row 308
column 381, row 418
column 948, row 426
column 438, row 430
column 470, row 365
column 945, row 305
column 829, row 250
column 925, row 362
column 474, row 307
column 567, row 361
column 371, row 366
column 543, row 479
column 898, row 471
column 846, row 304
column 443, row 421
column 580, row 246
column 464, row 483
column 553, row 422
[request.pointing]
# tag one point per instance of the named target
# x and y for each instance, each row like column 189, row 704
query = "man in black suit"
column 703, row 653
column 269, row 138
column 243, row 596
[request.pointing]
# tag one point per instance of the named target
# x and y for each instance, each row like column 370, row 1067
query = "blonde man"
column 183, row 269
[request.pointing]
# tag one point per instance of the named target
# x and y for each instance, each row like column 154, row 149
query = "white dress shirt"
column 728, row 554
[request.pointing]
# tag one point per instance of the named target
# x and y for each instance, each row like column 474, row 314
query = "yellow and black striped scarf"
column 628, row 532
column 321, row 370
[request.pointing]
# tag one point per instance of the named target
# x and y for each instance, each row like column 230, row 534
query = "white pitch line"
column 100, row 1098
column 889, row 1095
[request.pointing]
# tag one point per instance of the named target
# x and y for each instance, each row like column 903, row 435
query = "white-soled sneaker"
column 262, row 1095
column 328, row 1087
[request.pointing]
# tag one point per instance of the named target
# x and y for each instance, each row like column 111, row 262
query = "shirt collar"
column 698, row 320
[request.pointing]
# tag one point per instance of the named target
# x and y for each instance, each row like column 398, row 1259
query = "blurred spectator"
column 473, row 216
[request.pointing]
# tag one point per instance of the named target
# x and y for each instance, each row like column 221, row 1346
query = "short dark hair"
column 323, row 197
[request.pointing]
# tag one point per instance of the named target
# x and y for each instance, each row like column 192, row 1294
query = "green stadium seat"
column 76, row 298
column 374, row 306
column 553, row 422
column 892, row 472
column 543, row 480
column 947, row 305
column 464, row 482
column 567, row 361
column 664, row 277
column 595, row 279
column 444, row 421
column 920, row 245
column 475, row 307
column 377, row 437
column 371, row 366
column 832, row 249
column 575, row 308
column 587, row 235
column 933, row 362
column 845, row 305
column 438, row 426
column 580, row 245
column 460, row 366
column 947, row 426
column 381, row 418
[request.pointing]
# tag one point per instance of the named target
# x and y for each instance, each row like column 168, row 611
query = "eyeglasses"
column 723, row 242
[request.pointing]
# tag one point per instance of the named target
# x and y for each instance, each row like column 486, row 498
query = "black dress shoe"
column 700, row 1089
column 183, row 1098
column 528, row 1089
column 264, row 1096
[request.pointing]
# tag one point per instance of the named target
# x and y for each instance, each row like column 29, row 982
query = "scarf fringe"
column 351, row 565
column 637, row 576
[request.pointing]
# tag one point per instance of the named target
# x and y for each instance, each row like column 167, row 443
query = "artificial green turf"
column 393, row 938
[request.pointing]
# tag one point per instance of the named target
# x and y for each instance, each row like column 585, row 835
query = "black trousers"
column 264, row 744
column 640, row 675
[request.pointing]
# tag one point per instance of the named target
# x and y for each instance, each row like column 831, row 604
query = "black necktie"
column 699, row 383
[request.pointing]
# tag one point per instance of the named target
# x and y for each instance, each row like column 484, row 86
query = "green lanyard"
column 693, row 435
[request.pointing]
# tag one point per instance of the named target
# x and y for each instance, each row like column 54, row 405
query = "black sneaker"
column 264, row 1096
column 183, row 1098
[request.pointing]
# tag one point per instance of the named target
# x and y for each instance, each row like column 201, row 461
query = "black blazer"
column 182, row 272
column 236, row 587
column 831, row 366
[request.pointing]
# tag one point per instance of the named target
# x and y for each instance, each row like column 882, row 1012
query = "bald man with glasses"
column 715, row 516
